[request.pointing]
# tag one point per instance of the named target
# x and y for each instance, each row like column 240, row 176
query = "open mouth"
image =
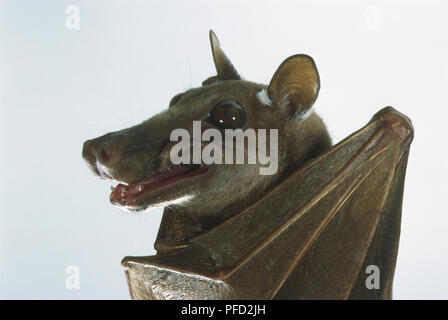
column 127, row 195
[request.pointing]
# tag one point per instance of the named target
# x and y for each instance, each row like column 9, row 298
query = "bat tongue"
column 125, row 195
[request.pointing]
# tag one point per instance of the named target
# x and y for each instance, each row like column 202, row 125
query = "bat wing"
column 340, row 214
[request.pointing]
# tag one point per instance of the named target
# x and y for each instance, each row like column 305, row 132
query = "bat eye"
column 228, row 114
column 175, row 99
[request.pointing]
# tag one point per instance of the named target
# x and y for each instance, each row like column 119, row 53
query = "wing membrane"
column 339, row 214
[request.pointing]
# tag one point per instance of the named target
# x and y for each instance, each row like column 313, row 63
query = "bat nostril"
column 105, row 155
column 87, row 151
column 89, row 154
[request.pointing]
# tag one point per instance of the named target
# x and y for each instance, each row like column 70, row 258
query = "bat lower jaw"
column 129, row 196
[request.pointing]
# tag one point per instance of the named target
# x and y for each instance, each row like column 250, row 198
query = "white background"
column 59, row 87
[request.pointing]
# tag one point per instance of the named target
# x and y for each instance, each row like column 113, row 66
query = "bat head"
column 184, row 158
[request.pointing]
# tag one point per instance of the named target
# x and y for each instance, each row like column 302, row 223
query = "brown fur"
column 135, row 154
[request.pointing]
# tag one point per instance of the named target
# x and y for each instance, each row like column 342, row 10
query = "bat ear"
column 225, row 68
column 295, row 86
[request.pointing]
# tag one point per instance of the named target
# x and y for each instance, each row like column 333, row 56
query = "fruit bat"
column 326, row 225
